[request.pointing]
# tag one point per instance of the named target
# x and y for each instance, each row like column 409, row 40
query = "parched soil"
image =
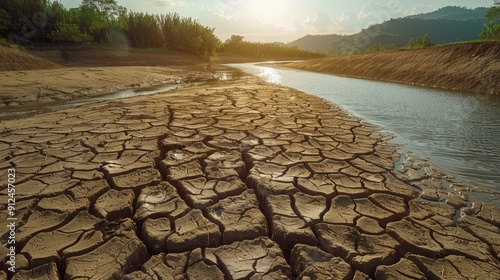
column 472, row 67
column 231, row 180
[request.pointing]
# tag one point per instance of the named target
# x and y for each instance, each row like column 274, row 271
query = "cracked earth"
column 231, row 180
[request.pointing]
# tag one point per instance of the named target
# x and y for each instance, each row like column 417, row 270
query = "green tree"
column 426, row 42
column 492, row 28
column 411, row 43
column 29, row 21
column 374, row 48
column 100, row 18
column 69, row 33
column 494, row 12
column 5, row 20
column 419, row 43
column 490, row 31
column 236, row 45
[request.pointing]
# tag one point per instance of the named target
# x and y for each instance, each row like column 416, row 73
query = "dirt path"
column 184, row 183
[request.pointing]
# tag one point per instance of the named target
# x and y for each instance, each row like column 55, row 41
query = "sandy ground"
column 471, row 67
column 184, row 183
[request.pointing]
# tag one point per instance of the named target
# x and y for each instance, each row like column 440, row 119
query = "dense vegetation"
column 49, row 23
column 446, row 25
column 237, row 45
column 45, row 22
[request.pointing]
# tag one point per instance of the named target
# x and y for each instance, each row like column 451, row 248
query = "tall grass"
column 171, row 31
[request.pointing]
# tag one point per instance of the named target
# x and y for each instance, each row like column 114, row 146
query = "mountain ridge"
column 446, row 25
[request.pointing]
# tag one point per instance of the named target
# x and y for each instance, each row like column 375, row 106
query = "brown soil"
column 179, row 185
column 12, row 59
column 473, row 67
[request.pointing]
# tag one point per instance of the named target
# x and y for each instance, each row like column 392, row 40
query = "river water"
column 458, row 132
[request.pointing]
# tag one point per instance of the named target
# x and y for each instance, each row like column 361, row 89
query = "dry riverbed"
column 183, row 184
column 42, row 86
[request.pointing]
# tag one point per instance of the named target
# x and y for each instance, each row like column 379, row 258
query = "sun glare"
column 275, row 11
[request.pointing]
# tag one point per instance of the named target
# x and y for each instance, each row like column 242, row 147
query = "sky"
column 288, row 20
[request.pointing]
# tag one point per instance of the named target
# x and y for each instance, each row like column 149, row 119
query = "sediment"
column 470, row 67
column 230, row 180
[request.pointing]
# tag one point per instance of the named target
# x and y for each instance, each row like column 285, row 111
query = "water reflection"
column 270, row 75
column 459, row 132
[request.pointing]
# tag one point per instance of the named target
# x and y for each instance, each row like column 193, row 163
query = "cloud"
column 376, row 12
column 419, row 9
column 319, row 22
column 297, row 25
column 164, row 3
column 228, row 9
column 236, row 24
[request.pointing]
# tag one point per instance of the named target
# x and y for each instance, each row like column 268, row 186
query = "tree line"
column 49, row 23
column 237, row 45
column 45, row 22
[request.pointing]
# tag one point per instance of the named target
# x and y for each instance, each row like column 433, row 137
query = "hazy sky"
column 287, row 20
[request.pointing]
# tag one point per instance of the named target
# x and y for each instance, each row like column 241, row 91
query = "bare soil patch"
column 12, row 59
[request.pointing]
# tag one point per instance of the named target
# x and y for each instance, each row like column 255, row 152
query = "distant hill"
column 454, row 13
column 446, row 25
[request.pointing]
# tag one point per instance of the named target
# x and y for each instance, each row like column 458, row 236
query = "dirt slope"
column 12, row 59
column 473, row 67
column 99, row 57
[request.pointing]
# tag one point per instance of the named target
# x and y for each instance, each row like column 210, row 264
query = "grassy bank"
column 471, row 67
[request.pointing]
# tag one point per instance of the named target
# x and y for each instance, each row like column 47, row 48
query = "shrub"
column 69, row 33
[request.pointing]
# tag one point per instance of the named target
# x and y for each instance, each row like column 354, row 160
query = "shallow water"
column 458, row 132
column 17, row 111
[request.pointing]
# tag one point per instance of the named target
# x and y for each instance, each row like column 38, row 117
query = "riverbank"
column 45, row 86
column 471, row 67
column 44, row 76
column 49, row 75
column 185, row 182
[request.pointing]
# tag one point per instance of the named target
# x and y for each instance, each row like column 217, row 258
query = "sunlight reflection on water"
column 459, row 132
column 270, row 75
